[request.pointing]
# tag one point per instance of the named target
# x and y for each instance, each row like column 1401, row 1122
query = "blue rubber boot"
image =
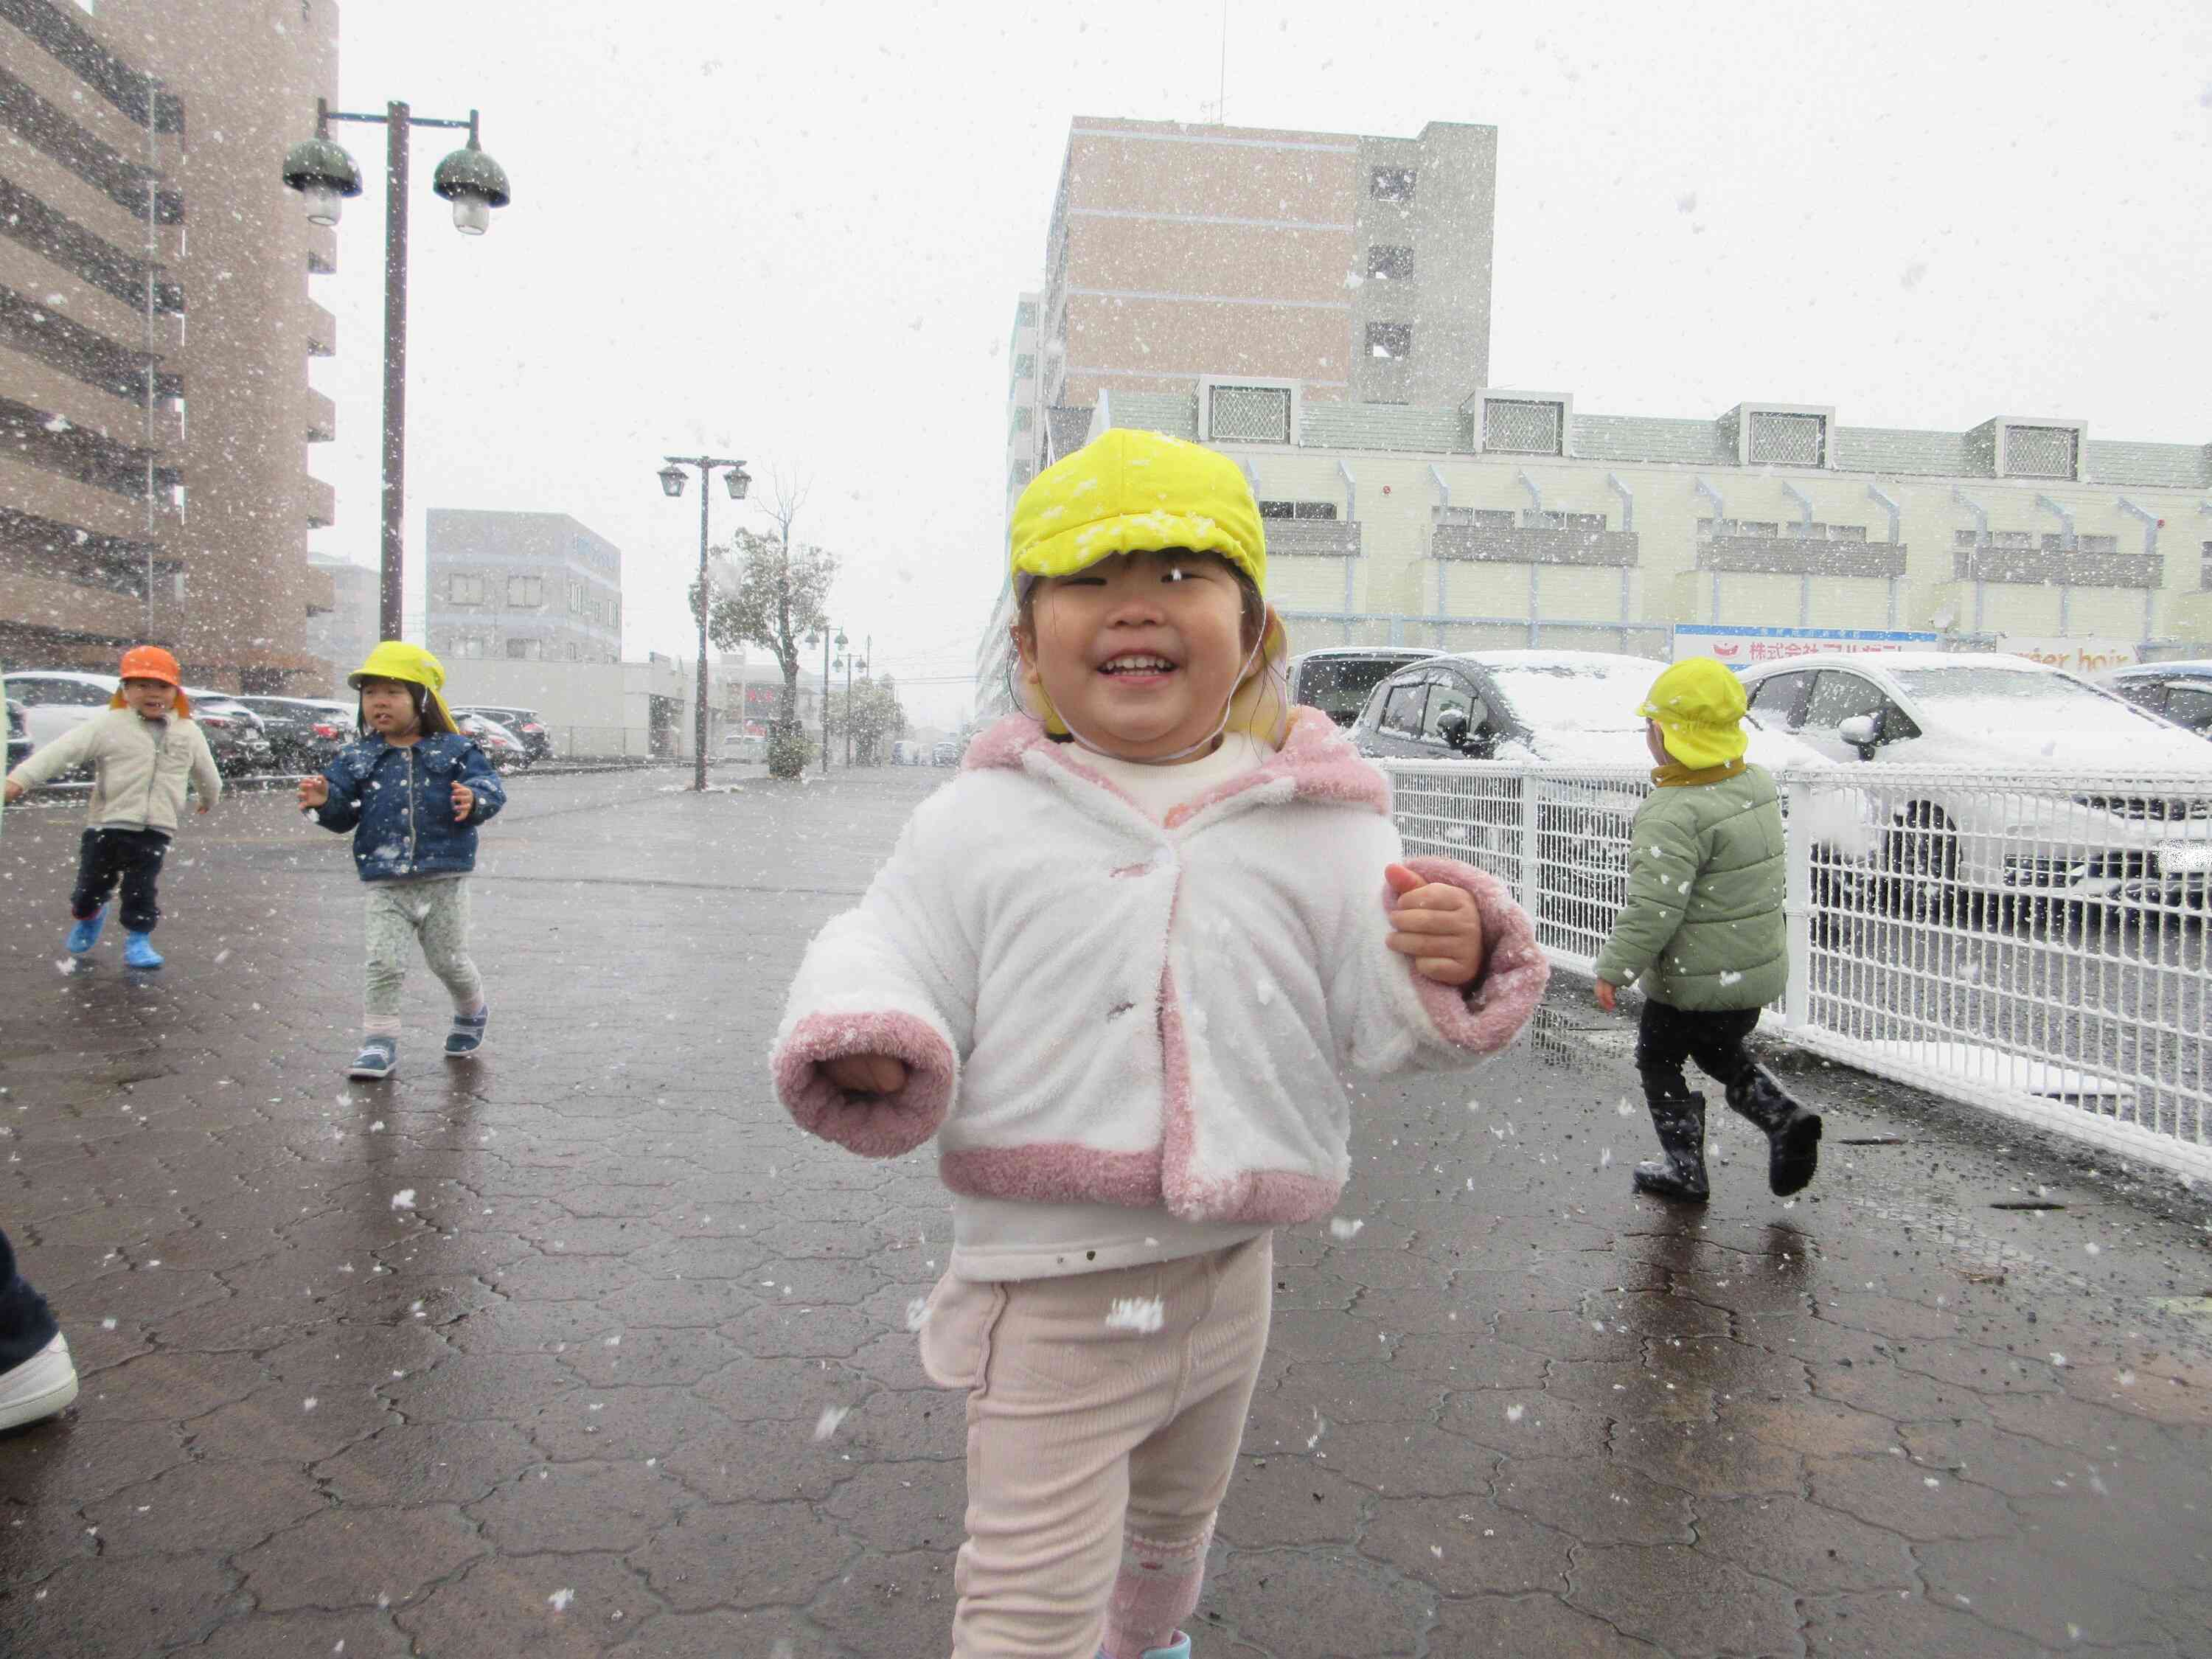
column 86, row 933
column 138, row 951
column 1179, row 1650
column 468, row 1033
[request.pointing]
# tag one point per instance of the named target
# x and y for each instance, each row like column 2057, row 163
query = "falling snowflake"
column 1142, row 1314
column 1514, row 1413
column 1604, row 1158
column 1341, row 1227
column 917, row 1313
column 559, row 1599
column 1624, row 1109
column 309, row 1403
column 404, row 1199
column 826, row 1425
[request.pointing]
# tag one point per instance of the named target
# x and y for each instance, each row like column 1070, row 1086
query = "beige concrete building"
column 1324, row 267
column 155, row 483
column 1516, row 520
column 521, row 587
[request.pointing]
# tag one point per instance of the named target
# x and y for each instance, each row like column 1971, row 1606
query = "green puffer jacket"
column 1703, row 927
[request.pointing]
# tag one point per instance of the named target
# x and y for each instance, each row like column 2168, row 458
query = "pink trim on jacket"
column 1315, row 762
column 873, row 1126
column 1485, row 1016
column 1054, row 1173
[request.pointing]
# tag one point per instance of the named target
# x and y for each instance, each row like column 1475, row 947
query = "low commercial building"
column 521, row 587
column 1515, row 519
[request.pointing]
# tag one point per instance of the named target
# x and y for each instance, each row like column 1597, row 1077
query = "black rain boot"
column 1680, row 1171
column 1793, row 1135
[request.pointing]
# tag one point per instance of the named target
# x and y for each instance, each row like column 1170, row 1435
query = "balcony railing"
column 1611, row 549
column 1801, row 555
column 1314, row 538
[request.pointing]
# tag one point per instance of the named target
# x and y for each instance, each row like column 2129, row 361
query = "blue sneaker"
column 138, row 951
column 86, row 933
column 378, row 1055
column 468, row 1033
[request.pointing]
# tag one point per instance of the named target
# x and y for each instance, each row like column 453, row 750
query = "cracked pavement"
column 534, row 1354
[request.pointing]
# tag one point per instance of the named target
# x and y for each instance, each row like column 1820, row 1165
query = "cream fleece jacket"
column 140, row 769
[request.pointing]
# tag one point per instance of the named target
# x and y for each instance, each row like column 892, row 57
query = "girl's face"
column 149, row 699
column 1141, row 652
column 388, row 707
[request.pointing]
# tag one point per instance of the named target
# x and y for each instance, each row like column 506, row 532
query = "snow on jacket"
column 1095, row 1006
column 140, row 768
column 1702, row 927
column 398, row 802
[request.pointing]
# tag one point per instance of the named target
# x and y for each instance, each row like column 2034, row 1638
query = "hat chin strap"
column 1205, row 744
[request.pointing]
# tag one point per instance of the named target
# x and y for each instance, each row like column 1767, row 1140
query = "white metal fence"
column 2033, row 944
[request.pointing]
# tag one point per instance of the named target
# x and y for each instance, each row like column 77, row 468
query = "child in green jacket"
column 1702, row 931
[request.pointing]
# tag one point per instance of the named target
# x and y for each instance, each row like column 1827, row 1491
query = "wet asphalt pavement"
column 543, row 1354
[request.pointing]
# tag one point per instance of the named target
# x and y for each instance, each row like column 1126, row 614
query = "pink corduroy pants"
column 1100, row 1444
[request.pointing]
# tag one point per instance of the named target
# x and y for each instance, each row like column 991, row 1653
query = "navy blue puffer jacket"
column 398, row 802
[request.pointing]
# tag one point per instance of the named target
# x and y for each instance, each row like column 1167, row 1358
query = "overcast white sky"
column 795, row 235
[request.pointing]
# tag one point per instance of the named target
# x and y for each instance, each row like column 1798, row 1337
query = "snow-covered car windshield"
column 1575, row 697
column 2008, row 700
column 2015, row 684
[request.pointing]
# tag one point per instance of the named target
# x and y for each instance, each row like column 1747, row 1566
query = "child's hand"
column 1438, row 924
column 1606, row 995
column 313, row 792
column 464, row 802
column 865, row 1075
column 14, row 791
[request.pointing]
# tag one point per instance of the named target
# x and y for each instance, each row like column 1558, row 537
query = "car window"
column 1451, row 694
column 1838, row 696
column 1779, row 701
column 2189, row 706
column 1402, row 713
column 2144, row 694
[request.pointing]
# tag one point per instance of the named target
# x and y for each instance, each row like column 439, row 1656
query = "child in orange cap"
column 145, row 751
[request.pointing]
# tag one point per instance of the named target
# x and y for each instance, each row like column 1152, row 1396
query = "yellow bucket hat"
column 1132, row 491
column 396, row 660
column 1698, row 704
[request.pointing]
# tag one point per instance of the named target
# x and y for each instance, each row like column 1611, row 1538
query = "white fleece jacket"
column 1095, row 1006
column 140, row 768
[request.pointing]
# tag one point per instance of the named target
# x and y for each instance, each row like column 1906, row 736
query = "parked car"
column 1937, row 833
column 2177, row 691
column 298, row 730
column 19, row 735
column 522, row 723
column 505, row 751
column 1337, row 680
column 905, row 751
column 945, row 754
column 745, row 748
column 56, row 699
column 234, row 732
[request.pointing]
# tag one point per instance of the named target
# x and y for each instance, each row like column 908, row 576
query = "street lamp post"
column 671, row 484
column 320, row 170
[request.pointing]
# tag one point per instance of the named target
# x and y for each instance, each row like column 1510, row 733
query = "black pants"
column 1669, row 1035
column 134, row 856
column 27, row 1324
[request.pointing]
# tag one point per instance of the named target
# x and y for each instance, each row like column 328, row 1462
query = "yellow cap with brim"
column 1698, row 705
column 396, row 660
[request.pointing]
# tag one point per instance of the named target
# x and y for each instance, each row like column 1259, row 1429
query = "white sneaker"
column 41, row 1386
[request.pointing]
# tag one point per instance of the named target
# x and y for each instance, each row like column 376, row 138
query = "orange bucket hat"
column 150, row 662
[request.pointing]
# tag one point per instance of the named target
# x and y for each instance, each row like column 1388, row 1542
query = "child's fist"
column 1608, row 997
column 464, row 802
column 1438, row 924
column 314, row 791
column 865, row 1075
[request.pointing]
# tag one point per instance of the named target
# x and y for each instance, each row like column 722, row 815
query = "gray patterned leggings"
column 400, row 913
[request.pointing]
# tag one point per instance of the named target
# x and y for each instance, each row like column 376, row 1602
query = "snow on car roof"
column 1893, row 660
column 1595, row 662
column 106, row 682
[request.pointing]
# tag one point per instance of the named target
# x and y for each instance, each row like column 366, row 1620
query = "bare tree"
column 781, row 598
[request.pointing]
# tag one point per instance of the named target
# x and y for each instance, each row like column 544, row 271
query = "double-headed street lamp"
column 671, row 484
column 320, row 170
column 826, row 643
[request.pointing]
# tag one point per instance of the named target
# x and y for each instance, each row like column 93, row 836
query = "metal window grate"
column 2039, row 452
column 1249, row 414
column 1781, row 440
column 1517, row 426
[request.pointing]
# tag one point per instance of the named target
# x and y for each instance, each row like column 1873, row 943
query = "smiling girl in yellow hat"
column 1119, row 969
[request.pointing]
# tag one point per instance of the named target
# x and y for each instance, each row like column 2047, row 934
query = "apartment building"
column 153, row 480
column 342, row 635
column 521, row 587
